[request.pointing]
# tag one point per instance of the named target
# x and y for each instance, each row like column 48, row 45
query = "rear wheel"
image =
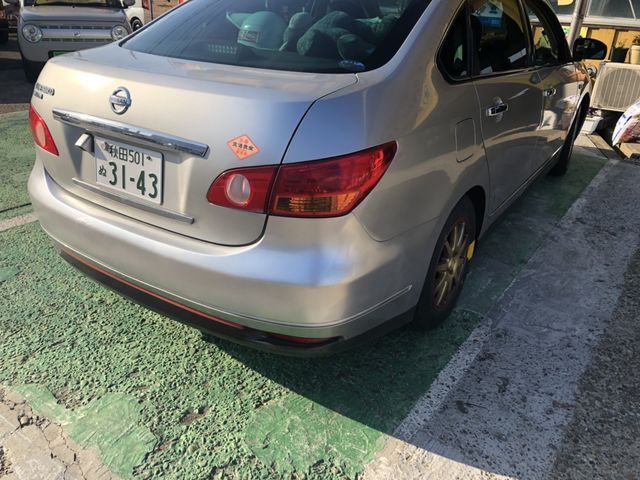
column 136, row 23
column 448, row 267
column 561, row 167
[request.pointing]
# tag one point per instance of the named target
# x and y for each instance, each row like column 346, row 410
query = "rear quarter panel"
column 409, row 101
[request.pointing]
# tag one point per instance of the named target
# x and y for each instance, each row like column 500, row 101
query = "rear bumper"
column 324, row 280
column 302, row 347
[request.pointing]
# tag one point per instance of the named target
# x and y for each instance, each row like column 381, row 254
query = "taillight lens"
column 321, row 188
column 40, row 132
column 329, row 188
column 244, row 188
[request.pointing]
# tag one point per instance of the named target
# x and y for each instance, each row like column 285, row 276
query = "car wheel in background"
column 448, row 267
column 136, row 23
column 562, row 165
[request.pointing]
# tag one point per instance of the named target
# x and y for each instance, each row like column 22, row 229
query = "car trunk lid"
column 194, row 120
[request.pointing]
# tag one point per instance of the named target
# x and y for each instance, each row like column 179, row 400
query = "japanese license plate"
column 132, row 170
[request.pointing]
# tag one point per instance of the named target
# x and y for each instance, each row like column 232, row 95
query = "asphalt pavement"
column 545, row 372
column 15, row 91
column 603, row 439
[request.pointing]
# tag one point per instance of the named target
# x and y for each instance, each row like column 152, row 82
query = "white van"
column 135, row 14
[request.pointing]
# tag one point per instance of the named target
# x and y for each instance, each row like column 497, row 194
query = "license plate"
column 132, row 170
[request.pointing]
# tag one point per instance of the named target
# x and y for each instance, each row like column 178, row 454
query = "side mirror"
column 128, row 3
column 591, row 48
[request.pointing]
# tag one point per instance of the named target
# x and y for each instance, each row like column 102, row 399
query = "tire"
column 435, row 305
column 4, row 37
column 31, row 71
column 136, row 23
column 562, row 165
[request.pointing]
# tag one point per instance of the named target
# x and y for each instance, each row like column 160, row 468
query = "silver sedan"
column 299, row 174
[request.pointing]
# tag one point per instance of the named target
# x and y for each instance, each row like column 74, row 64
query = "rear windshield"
column 297, row 35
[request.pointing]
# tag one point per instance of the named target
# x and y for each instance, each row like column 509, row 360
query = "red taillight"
column 329, row 188
column 321, row 188
column 244, row 188
column 40, row 132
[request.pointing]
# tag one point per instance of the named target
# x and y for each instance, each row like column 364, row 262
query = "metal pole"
column 151, row 8
column 579, row 13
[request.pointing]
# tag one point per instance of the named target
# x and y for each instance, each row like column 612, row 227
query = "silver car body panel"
column 267, row 106
column 302, row 277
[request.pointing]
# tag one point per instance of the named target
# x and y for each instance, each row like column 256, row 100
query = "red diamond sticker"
column 242, row 147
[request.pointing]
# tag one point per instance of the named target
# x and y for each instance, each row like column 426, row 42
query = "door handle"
column 549, row 92
column 497, row 109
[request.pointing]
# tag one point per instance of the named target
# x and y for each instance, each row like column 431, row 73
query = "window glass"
column 610, row 8
column 545, row 44
column 453, row 55
column 562, row 7
column 601, row 8
column 298, row 35
column 499, row 35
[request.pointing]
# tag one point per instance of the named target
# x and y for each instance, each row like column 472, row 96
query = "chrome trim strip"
column 149, row 137
column 134, row 203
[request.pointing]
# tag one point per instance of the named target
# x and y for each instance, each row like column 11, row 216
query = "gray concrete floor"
column 549, row 389
column 38, row 449
column 603, row 440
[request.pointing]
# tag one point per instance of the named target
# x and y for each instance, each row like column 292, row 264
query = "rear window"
column 297, row 35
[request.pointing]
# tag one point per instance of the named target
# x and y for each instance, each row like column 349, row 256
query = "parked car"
column 135, row 14
column 11, row 13
column 48, row 28
column 4, row 24
column 297, row 176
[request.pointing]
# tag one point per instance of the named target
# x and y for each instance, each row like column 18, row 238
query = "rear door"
column 509, row 92
column 558, row 77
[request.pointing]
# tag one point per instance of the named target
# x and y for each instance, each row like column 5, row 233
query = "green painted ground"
column 213, row 407
column 120, row 376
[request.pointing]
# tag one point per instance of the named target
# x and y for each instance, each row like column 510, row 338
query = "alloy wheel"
column 449, row 273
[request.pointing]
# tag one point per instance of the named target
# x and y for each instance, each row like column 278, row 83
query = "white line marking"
column 441, row 454
column 446, row 380
column 17, row 221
